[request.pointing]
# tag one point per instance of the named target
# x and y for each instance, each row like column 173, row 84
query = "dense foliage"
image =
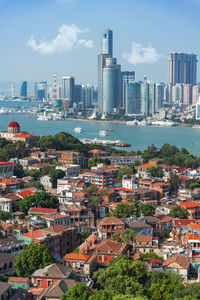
column 194, row 186
column 9, row 149
column 5, row 215
column 172, row 155
column 39, row 199
column 155, row 171
column 179, row 212
column 135, row 209
column 93, row 162
column 33, row 257
column 125, row 171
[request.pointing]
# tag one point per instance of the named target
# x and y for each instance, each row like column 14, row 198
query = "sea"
column 139, row 137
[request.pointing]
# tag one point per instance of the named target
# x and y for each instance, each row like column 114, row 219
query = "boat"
column 132, row 123
column 110, row 130
column 123, row 144
column 102, row 133
column 78, row 129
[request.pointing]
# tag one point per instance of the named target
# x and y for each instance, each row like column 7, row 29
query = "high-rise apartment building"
column 23, row 90
column 41, row 90
column 126, row 77
column 133, row 98
column 68, row 88
column 111, row 85
column 182, row 68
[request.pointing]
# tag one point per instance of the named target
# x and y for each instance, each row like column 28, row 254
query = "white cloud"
column 66, row 39
column 140, row 54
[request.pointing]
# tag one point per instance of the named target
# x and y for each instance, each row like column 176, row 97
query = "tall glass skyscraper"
column 41, row 90
column 133, row 98
column 107, row 42
column 23, row 90
column 126, row 77
column 111, row 85
column 68, row 88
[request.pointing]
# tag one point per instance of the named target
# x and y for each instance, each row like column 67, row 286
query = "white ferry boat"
column 102, row 133
column 78, row 129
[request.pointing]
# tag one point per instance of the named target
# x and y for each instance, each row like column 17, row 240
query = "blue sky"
column 40, row 37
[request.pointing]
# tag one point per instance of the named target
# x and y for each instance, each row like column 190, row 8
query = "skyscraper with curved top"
column 23, row 90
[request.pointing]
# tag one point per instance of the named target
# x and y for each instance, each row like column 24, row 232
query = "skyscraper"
column 133, row 98
column 23, row 90
column 182, row 68
column 126, row 77
column 111, row 85
column 106, row 52
column 68, row 88
column 107, row 42
column 41, row 90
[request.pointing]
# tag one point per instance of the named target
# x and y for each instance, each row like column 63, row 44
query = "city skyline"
column 39, row 38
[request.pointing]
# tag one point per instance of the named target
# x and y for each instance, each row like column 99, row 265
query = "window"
column 49, row 282
column 39, row 283
column 100, row 257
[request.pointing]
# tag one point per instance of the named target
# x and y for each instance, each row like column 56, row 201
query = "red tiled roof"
column 143, row 238
column 180, row 260
column 24, row 135
column 42, row 210
column 109, row 247
column 111, row 221
column 5, row 163
column 192, row 236
column 194, row 226
column 183, row 222
column 18, row 280
column 25, row 193
column 76, row 256
column 188, row 205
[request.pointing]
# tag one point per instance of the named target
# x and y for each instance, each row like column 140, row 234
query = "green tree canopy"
column 124, row 210
column 194, row 186
column 5, row 215
column 93, row 162
column 33, row 257
column 124, row 171
column 77, row 292
column 18, row 171
column 155, row 171
column 174, row 181
column 179, row 212
column 34, row 173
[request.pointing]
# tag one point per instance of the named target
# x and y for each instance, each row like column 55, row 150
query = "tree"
column 124, row 171
column 93, row 162
column 189, row 292
column 179, row 212
column 150, row 152
column 174, row 181
column 18, row 171
column 194, row 186
column 155, row 171
column 77, row 292
column 34, row 173
column 55, row 175
column 125, row 210
column 128, row 235
column 5, row 215
column 33, row 257
column 148, row 256
column 122, row 276
column 146, row 209
column 39, row 199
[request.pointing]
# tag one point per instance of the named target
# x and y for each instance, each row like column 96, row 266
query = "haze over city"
column 63, row 36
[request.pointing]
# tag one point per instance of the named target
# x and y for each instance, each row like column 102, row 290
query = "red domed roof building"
column 14, row 134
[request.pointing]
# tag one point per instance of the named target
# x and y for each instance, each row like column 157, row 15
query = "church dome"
column 13, row 127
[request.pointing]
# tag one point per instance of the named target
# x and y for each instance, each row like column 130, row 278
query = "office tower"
column 107, row 42
column 101, row 65
column 77, row 93
column 55, row 90
column 88, row 95
column 68, row 88
column 133, row 98
column 41, row 90
column 195, row 93
column 166, row 93
column 111, row 85
column 177, row 93
column 106, row 52
column 126, row 77
column 23, row 90
column 182, row 68
column 159, row 96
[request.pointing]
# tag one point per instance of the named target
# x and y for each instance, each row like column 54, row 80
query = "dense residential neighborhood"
column 87, row 222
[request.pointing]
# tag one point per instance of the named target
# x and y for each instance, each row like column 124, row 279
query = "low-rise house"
column 5, row 204
column 6, row 229
column 193, row 244
column 144, row 243
column 11, row 246
column 123, row 160
column 5, row 290
column 10, row 184
column 178, row 264
column 46, row 181
column 40, row 166
column 56, row 219
column 140, row 227
column 56, row 290
column 109, row 226
column 80, row 262
column 43, row 278
column 25, row 162
column 71, row 157
column 42, row 211
column 193, row 209
column 19, row 282
column 70, row 170
column 142, row 169
column 6, row 264
column 6, row 169
column 129, row 182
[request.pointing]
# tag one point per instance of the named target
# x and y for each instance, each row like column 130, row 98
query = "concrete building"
column 126, row 77
column 70, row 170
column 68, row 88
column 133, row 98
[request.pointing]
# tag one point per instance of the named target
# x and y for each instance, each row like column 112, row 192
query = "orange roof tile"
column 145, row 166
column 188, row 205
column 194, row 226
column 192, row 236
column 76, row 256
